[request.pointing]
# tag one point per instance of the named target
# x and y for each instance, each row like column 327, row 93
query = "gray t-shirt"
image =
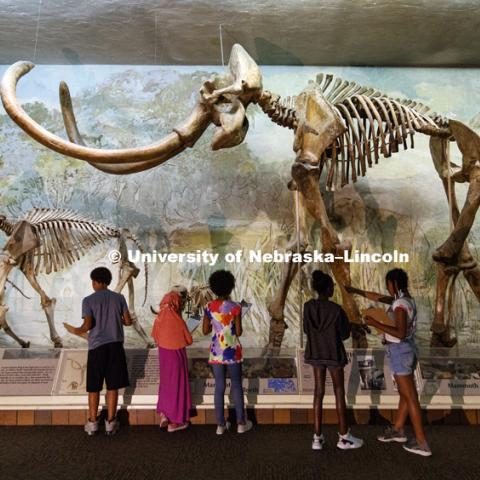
column 106, row 308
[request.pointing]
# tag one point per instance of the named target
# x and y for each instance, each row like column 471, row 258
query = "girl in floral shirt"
column 223, row 319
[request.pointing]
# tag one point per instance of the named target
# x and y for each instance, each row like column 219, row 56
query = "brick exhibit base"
column 258, row 415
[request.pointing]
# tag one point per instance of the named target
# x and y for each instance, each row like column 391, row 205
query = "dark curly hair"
column 222, row 282
column 101, row 275
column 398, row 277
column 322, row 283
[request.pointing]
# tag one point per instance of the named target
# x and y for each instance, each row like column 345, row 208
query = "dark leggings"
column 338, row 386
column 219, row 372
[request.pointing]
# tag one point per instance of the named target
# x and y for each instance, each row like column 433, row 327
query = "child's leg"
column 93, row 401
column 402, row 414
column 219, row 374
column 237, row 391
column 112, row 400
column 339, row 387
column 406, row 387
column 319, row 374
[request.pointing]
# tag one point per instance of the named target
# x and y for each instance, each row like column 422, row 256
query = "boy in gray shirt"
column 104, row 314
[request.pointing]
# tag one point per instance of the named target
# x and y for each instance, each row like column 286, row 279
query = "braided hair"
column 398, row 277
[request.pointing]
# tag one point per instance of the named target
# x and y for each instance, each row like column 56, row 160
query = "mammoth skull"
column 223, row 101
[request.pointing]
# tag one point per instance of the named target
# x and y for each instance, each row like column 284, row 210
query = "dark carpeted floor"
column 268, row 452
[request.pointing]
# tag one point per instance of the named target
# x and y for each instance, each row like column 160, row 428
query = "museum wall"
column 225, row 200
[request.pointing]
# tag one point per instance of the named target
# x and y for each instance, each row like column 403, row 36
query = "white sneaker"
column 348, row 441
column 111, row 428
column 318, row 442
column 91, row 427
column 242, row 428
column 221, row 429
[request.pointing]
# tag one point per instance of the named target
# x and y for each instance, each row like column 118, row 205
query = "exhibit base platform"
column 260, row 415
column 47, row 387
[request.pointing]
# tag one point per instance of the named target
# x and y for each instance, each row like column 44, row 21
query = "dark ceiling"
column 325, row 32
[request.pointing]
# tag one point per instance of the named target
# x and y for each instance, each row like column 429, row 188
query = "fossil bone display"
column 340, row 129
column 49, row 240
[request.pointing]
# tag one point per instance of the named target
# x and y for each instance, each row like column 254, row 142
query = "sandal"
column 175, row 427
column 163, row 421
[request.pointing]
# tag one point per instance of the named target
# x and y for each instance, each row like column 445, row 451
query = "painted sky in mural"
column 226, row 200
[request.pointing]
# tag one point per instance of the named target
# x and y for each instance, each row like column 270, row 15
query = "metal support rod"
column 299, row 276
column 220, row 32
column 450, row 207
column 37, row 30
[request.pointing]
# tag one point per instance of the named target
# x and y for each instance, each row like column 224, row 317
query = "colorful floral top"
column 225, row 347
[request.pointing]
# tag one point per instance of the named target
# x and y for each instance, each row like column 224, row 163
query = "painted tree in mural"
column 341, row 129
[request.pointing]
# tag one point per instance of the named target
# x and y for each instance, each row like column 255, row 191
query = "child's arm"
column 206, row 325
column 376, row 297
column 83, row 329
column 238, row 325
column 397, row 331
column 127, row 319
column 344, row 325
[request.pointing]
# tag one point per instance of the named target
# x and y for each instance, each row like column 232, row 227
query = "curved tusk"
column 130, row 158
column 74, row 136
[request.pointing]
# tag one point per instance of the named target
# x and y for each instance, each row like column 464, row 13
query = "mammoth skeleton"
column 49, row 240
column 340, row 129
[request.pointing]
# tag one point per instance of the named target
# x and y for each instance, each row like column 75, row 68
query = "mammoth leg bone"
column 128, row 271
column 6, row 265
column 47, row 303
column 6, row 327
column 469, row 144
column 446, row 277
column 307, row 181
column 463, row 258
column 276, row 307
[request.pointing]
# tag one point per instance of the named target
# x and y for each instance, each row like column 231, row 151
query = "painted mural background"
column 225, row 200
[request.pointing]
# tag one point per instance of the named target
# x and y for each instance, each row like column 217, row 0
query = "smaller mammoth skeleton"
column 194, row 300
column 49, row 240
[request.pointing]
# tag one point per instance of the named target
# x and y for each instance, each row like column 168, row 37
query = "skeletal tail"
column 18, row 289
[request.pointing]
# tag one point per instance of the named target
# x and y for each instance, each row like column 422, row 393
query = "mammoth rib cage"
column 66, row 236
column 374, row 124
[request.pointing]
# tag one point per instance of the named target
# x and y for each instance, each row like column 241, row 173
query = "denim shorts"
column 402, row 357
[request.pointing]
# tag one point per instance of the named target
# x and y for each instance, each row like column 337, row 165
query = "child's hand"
column 70, row 328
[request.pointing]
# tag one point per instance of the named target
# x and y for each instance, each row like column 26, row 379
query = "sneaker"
column 111, row 428
column 91, row 427
column 392, row 435
column 318, row 442
column 176, row 427
column 221, row 429
column 244, row 427
column 412, row 446
column 348, row 441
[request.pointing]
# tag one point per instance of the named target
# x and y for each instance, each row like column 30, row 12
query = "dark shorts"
column 107, row 363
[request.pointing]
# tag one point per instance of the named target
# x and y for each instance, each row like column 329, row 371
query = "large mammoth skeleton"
column 340, row 129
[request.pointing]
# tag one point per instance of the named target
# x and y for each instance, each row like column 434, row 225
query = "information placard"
column 261, row 375
column 27, row 371
column 142, row 368
column 452, row 376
